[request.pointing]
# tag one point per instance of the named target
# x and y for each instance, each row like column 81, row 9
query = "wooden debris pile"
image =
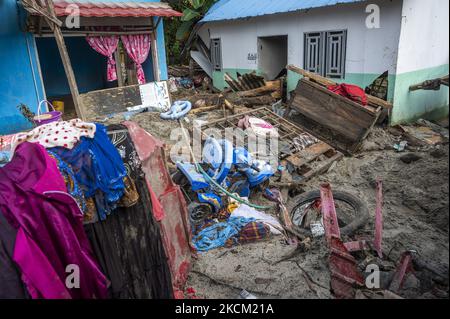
column 341, row 122
column 253, row 85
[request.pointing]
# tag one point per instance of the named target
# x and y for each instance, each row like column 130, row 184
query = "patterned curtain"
column 137, row 47
column 106, row 46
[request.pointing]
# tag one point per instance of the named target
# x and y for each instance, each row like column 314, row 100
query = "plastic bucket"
column 49, row 117
column 59, row 106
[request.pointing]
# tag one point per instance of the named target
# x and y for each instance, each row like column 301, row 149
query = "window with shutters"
column 216, row 54
column 325, row 53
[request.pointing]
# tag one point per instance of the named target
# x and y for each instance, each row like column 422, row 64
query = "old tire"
column 198, row 212
column 358, row 221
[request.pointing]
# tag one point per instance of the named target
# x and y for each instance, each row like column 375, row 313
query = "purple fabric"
column 34, row 200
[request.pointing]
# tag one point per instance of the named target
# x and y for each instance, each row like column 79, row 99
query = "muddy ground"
column 416, row 217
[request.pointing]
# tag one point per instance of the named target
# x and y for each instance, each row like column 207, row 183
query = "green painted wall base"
column 410, row 106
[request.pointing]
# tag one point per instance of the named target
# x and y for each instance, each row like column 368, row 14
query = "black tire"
column 179, row 178
column 358, row 221
column 198, row 212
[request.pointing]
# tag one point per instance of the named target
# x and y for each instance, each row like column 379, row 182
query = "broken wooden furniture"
column 335, row 119
column 373, row 100
column 308, row 161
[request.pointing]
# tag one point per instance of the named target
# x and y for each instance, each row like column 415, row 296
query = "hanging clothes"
column 137, row 47
column 99, row 168
column 50, row 234
column 128, row 244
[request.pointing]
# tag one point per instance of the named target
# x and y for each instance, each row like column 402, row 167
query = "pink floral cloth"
column 106, row 46
column 137, row 47
column 64, row 134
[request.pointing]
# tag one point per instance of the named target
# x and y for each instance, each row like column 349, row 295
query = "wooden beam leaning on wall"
column 48, row 12
column 65, row 60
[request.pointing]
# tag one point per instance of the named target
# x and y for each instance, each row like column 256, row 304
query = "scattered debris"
column 403, row 269
column 401, row 147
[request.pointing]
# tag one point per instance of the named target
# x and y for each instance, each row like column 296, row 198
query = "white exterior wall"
column 369, row 51
column 424, row 40
column 423, row 55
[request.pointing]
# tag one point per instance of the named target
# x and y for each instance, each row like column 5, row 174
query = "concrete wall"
column 423, row 55
column 370, row 52
column 19, row 71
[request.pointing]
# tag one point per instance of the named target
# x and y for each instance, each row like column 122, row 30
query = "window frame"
column 324, row 57
column 217, row 65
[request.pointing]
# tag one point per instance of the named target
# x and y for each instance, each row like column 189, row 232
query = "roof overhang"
column 98, row 9
column 226, row 10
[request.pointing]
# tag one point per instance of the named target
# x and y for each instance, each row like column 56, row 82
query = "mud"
column 416, row 217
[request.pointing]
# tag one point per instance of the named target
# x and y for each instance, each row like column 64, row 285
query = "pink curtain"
column 106, row 46
column 138, row 47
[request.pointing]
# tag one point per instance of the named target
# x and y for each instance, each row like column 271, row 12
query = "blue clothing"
column 69, row 175
column 216, row 235
column 99, row 168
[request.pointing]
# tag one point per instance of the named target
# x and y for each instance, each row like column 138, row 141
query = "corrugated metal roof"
column 239, row 9
column 117, row 8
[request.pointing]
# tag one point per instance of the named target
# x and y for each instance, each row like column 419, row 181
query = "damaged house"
column 32, row 69
column 349, row 41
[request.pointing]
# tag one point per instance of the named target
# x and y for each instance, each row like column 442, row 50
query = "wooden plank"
column 309, row 154
column 110, row 101
column 322, row 168
column 154, row 49
column 314, row 91
column 333, row 138
column 326, row 118
column 270, row 87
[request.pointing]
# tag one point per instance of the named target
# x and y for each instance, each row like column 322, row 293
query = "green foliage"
column 177, row 30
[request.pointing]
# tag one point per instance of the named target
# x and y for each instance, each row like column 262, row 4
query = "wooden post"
column 119, row 70
column 154, row 48
column 65, row 59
